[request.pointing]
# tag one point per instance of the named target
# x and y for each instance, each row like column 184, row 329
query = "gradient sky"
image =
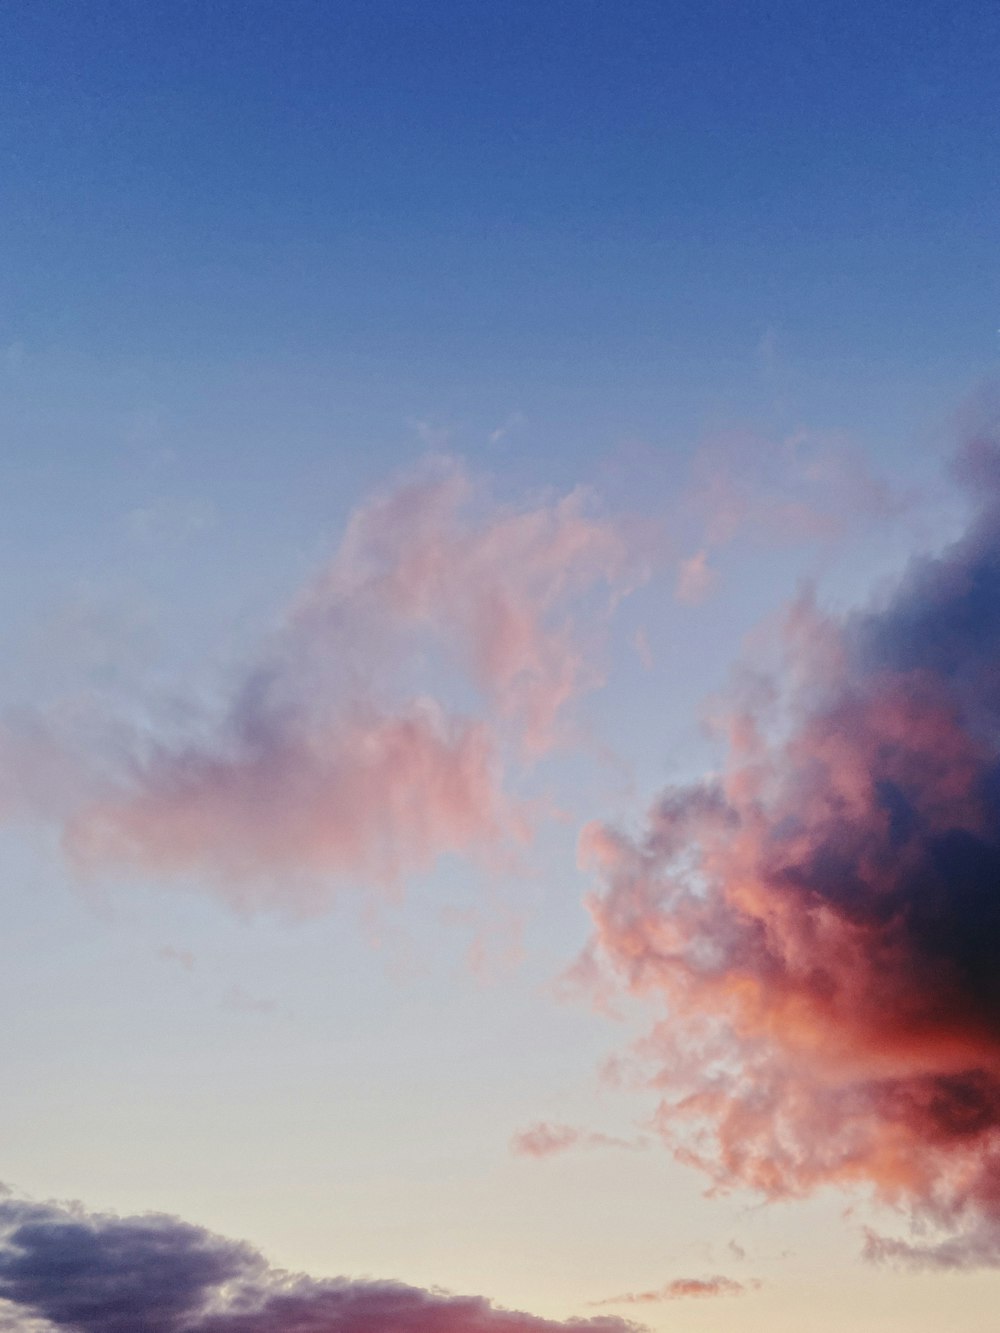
column 431, row 432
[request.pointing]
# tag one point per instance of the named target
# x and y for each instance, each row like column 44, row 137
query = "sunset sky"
column 499, row 716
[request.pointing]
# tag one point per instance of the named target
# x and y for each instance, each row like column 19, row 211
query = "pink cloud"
column 508, row 591
column 683, row 1288
column 543, row 1139
column 820, row 925
column 805, row 487
column 371, row 797
column 343, row 755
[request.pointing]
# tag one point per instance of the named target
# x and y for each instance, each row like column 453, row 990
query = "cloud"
column 805, row 487
column 370, row 796
column 977, row 1247
column 343, row 753
column 97, row 1273
column 695, row 579
column 821, row 921
column 543, row 1139
column 498, row 588
column 683, row 1288
column 183, row 957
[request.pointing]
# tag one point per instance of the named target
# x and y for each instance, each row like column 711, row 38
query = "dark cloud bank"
column 62, row 1268
column 821, row 921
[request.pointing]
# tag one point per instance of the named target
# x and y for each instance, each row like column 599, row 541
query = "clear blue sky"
column 528, row 194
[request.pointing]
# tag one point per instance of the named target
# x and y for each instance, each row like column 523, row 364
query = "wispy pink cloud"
column 544, row 1139
column 805, row 488
column 344, row 754
column 371, row 797
column 683, row 1288
column 498, row 588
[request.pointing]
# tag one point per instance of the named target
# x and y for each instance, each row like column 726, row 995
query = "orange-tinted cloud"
column 682, row 1288
column 821, row 923
column 543, row 1139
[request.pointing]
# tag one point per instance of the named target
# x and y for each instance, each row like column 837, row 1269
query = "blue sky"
column 533, row 195
column 252, row 246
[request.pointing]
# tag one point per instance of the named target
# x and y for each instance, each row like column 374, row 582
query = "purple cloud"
column 96, row 1273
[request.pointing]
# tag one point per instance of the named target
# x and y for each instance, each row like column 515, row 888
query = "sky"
column 498, row 719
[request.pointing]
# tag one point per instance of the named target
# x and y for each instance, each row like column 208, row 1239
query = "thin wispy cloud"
column 342, row 755
column 182, row 957
column 801, row 490
column 545, row 1139
column 683, row 1288
column 695, row 579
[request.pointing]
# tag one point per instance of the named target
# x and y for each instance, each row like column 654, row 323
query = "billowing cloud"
column 62, row 1268
column 372, row 734
column 544, row 1139
column 682, row 1288
column 821, row 920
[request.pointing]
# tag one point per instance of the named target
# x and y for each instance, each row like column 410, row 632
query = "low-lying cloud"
column 62, row 1268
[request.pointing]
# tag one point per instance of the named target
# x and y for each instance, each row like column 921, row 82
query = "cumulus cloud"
column 372, row 733
column 64, row 1268
column 544, row 1139
column 682, row 1288
column 821, row 920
